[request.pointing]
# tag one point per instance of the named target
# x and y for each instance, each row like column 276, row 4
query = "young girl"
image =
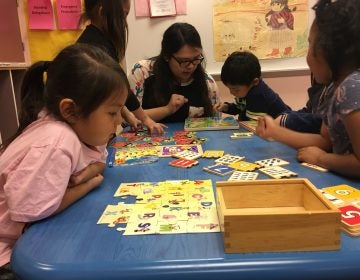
column 334, row 59
column 174, row 85
column 59, row 150
column 108, row 29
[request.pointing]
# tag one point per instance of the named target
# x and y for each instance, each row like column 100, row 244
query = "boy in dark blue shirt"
column 241, row 73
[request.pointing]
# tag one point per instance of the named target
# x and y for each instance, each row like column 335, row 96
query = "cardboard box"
column 276, row 216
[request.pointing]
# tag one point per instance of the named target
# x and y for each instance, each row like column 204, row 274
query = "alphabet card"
column 168, row 207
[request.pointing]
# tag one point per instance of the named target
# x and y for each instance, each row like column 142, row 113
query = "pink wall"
column 293, row 90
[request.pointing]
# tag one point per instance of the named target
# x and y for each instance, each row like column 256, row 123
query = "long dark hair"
column 174, row 38
column 83, row 73
column 113, row 21
column 338, row 24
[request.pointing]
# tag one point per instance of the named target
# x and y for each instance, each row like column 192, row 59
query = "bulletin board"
column 145, row 35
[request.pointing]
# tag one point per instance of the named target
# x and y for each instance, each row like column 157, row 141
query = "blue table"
column 72, row 246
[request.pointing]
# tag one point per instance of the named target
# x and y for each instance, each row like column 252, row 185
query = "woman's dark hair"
column 240, row 68
column 80, row 72
column 338, row 23
column 174, row 38
column 113, row 21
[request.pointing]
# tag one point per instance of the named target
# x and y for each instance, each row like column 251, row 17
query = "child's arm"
column 87, row 173
column 154, row 127
column 78, row 191
column 221, row 107
column 129, row 117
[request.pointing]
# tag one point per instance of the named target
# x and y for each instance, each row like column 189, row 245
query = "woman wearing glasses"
column 174, row 85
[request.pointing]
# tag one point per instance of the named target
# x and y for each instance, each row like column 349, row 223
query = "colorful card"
column 195, row 124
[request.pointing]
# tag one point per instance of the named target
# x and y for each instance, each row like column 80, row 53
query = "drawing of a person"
column 281, row 21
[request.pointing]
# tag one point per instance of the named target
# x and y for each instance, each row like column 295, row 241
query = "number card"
column 271, row 162
column 344, row 192
column 277, row 172
column 243, row 176
column 227, row 159
column 183, row 163
column 244, row 166
column 186, row 154
column 350, row 215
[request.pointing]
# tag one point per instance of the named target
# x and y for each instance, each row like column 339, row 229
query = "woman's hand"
column 176, row 102
column 221, row 107
column 311, row 155
column 154, row 127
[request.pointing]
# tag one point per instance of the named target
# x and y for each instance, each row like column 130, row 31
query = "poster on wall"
column 68, row 14
column 40, row 14
column 269, row 28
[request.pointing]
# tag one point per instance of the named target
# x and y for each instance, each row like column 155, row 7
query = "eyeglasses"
column 186, row 63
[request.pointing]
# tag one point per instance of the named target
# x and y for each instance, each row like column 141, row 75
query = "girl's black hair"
column 240, row 68
column 113, row 21
column 174, row 38
column 80, row 72
column 338, row 23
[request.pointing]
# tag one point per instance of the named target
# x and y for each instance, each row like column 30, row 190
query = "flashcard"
column 237, row 135
column 243, row 176
column 244, row 166
column 199, row 226
column 350, row 215
column 344, row 192
column 190, row 155
column 227, row 159
column 116, row 214
column 213, row 154
column 313, row 166
column 219, row 169
column 141, row 216
column 277, row 172
column 271, row 162
column 164, row 227
column 183, row 163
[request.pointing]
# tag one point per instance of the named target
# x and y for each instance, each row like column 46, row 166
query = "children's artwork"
column 347, row 199
column 243, row 176
column 271, row 162
column 277, row 172
column 219, row 169
column 168, row 207
column 195, row 124
column 270, row 29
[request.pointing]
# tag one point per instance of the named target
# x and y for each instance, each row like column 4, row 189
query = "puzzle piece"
column 243, row 176
column 313, row 166
column 237, row 135
column 277, row 172
column 190, row 155
column 213, row 154
column 183, row 163
column 244, row 166
column 227, row 159
column 269, row 162
column 219, row 169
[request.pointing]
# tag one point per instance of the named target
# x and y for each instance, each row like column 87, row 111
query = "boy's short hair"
column 240, row 68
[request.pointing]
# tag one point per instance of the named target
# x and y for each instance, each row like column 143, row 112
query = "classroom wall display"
column 148, row 31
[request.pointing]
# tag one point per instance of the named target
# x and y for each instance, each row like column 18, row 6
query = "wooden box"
column 276, row 216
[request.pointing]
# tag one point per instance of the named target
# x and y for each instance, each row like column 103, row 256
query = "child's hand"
column 176, row 102
column 266, row 127
column 311, row 155
column 130, row 118
column 154, row 127
column 86, row 174
column 221, row 107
